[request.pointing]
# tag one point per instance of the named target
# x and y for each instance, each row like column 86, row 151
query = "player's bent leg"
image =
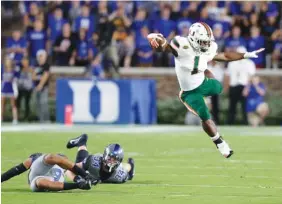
column 16, row 170
column 65, row 163
column 194, row 102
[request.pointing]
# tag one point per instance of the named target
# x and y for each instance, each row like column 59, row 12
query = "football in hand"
column 157, row 42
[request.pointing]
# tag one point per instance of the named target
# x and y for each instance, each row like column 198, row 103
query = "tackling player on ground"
column 47, row 173
column 192, row 54
column 107, row 167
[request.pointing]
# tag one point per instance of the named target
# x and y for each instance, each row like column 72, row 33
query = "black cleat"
column 231, row 152
column 84, row 184
column 132, row 170
column 78, row 141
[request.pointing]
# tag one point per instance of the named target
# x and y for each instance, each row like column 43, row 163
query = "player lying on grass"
column 192, row 54
column 47, row 173
column 107, row 167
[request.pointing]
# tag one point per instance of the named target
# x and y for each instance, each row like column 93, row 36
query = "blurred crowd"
column 104, row 35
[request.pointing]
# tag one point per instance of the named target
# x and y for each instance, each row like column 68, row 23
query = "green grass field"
column 171, row 167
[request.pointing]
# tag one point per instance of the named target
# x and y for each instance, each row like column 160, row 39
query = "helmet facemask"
column 111, row 162
column 112, row 157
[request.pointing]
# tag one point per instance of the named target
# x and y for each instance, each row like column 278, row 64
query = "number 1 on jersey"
column 196, row 65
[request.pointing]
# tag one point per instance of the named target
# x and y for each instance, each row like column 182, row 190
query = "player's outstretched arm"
column 16, row 170
column 233, row 56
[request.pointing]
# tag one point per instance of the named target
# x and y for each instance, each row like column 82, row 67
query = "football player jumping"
column 192, row 54
column 47, row 173
column 107, row 167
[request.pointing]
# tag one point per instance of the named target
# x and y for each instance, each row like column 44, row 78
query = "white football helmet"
column 200, row 36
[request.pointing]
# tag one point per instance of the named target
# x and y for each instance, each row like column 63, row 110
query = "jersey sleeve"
column 175, row 45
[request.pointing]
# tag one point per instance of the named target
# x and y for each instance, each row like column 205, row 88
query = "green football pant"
column 194, row 99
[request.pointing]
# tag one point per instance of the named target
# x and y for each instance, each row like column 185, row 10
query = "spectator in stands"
column 233, row 42
column 74, row 11
column 96, row 68
column 168, row 28
column 218, row 36
column 143, row 49
column 139, row 22
column 123, row 40
column 64, row 47
column 256, row 107
column 254, row 20
column 25, row 86
column 41, row 77
column 218, row 71
column 204, row 17
column 85, row 21
column 37, row 40
column 164, row 25
column 237, row 76
column 9, row 88
column 271, row 23
column 16, row 46
column 93, row 50
column 55, row 24
column 80, row 54
column 184, row 21
column 277, row 53
column 256, row 41
column 105, row 42
column 32, row 14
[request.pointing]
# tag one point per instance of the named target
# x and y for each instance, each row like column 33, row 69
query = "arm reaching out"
column 233, row 56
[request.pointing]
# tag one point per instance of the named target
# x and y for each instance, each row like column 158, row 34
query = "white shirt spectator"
column 240, row 71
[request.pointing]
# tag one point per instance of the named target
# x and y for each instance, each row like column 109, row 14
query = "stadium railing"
column 150, row 71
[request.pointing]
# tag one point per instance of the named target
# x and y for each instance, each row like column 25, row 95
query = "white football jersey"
column 189, row 64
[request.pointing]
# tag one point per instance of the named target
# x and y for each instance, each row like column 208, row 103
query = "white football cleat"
column 224, row 149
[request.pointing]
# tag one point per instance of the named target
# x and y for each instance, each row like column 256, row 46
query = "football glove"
column 253, row 54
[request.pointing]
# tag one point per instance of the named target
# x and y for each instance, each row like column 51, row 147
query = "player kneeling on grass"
column 107, row 167
column 192, row 54
column 47, row 173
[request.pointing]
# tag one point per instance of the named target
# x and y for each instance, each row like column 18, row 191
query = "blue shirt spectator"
column 55, row 24
column 139, row 21
column 256, row 41
column 92, row 48
column 143, row 49
column 255, row 96
column 204, row 17
column 82, row 48
column 85, row 21
column 164, row 25
column 16, row 45
column 235, row 41
column 32, row 15
column 234, row 8
column 37, row 39
column 96, row 69
column 183, row 22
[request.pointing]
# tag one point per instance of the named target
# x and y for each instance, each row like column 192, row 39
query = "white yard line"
column 165, row 129
column 208, row 167
column 114, row 193
column 206, row 175
column 202, row 186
